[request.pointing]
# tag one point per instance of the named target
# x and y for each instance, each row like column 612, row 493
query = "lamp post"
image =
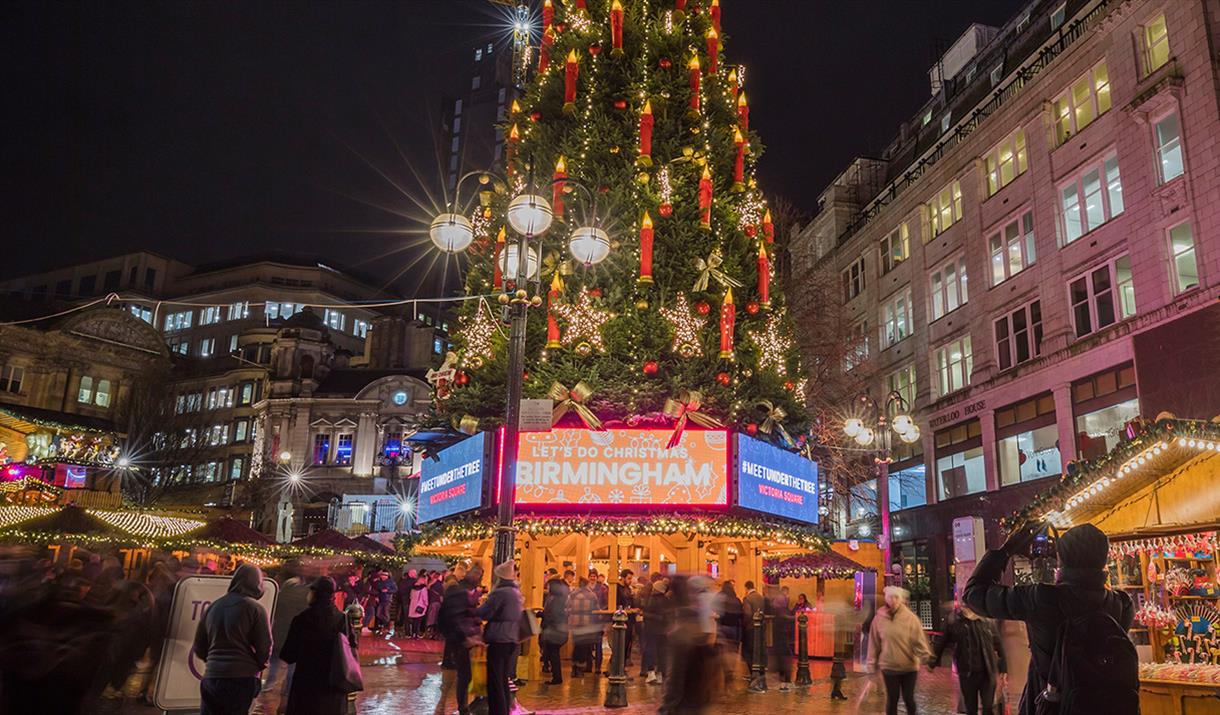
column 530, row 216
column 876, row 425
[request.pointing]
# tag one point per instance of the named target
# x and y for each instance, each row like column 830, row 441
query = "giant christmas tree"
column 634, row 122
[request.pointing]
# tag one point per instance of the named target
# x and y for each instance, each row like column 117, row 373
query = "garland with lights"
column 1085, row 478
column 829, row 565
column 446, row 533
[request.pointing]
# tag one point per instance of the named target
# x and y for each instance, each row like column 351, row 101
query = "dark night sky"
column 209, row 130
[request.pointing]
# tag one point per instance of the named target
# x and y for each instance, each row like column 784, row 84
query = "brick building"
column 1035, row 259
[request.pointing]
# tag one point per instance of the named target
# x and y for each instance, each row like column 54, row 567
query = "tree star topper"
column 585, row 321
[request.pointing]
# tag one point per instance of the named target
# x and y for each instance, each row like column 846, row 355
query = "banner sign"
column 453, row 482
column 180, row 670
column 620, row 467
column 775, row 481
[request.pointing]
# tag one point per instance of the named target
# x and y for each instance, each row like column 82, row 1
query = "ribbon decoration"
column 573, row 400
column 773, row 420
column 551, row 264
column 687, row 407
column 468, row 424
column 709, row 269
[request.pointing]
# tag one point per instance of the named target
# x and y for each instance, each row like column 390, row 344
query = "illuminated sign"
column 453, row 482
column 775, row 481
column 621, row 467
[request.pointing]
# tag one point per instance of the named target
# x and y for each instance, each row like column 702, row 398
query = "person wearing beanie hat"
column 310, row 645
column 502, row 611
column 1080, row 587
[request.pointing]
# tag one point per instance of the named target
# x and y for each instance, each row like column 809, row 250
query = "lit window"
column 1091, row 199
column 896, row 319
column 1182, row 251
column 101, row 396
column 178, row 321
column 11, row 378
column 334, row 319
column 1018, row 335
column 360, row 328
column 895, row 248
column 1102, row 296
column 245, row 393
column 343, row 450
column 949, row 288
column 141, row 312
column 209, row 315
column 961, row 473
column 944, row 209
column 902, row 381
column 237, row 311
column 237, row 467
column 952, row 363
column 857, row 346
column 1029, row 455
column 1155, row 44
column 853, row 279
column 1169, row 147
column 926, row 119
column 241, row 430
column 1006, row 162
column 84, row 393
column 1012, row 248
column 207, row 347
column 1058, row 16
column 1086, row 100
column 945, row 122
column 321, row 448
column 1100, row 431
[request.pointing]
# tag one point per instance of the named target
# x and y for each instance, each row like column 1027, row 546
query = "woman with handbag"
column 321, row 645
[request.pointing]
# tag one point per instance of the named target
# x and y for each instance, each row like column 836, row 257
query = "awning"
column 829, row 565
column 28, row 420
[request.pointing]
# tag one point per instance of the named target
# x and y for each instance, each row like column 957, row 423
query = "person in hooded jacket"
column 897, row 647
column 502, row 612
column 310, row 646
column 233, row 639
column 1080, row 586
column 555, row 627
column 978, row 657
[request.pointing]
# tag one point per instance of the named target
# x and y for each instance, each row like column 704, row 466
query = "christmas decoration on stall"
column 584, row 324
column 686, row 327
column 827, row 565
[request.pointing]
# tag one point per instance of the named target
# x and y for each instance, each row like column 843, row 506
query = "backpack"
column 1094, row 670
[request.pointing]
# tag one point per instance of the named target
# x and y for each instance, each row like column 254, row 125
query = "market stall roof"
column 71, row 520
column 1160, row 454
column 28, row 420
column 231, row 531
column 328, row 539
column 827, row 565
column 372, row 545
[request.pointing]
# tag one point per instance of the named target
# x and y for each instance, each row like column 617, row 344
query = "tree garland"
column 1083, row 472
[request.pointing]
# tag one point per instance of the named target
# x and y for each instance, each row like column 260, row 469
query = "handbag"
column 345, row 672
column 529, row 626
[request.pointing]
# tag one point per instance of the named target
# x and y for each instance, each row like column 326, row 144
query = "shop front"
column 1157, row 496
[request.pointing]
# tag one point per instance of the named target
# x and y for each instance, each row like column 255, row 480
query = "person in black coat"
column 978, row 657
column 460, row 627
column 555, row 627
column 1080, row 586
column 312, row 639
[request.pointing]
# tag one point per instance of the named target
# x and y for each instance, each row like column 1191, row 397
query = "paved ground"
column 404, row 678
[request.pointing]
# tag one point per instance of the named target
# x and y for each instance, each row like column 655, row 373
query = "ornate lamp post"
column 530, row 216
column 874, row 428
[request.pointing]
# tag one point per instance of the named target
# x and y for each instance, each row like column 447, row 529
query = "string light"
column 476, row 335
column 686, row 325
column 584, row 323
column 773, row 344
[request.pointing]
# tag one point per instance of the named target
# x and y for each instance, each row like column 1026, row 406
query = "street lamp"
column 876, row 429
column 530, row 216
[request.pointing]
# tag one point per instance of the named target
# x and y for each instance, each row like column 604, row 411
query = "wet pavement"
column 404, row 678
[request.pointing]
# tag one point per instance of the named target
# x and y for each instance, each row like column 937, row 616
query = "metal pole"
column 616, row 691
column 883, row 495
column 758, row 669
column 518, row 307
column 802, row 650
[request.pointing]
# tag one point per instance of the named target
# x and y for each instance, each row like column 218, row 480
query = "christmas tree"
column 634, row 101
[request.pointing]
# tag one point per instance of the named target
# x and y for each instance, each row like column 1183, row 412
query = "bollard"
column 758, row 669
column 802, row 650
column 355, row 618
column 616, row 691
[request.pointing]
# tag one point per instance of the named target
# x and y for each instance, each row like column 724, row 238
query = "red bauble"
column 703, row 307
column 723, row 378
column 651, row 368
column 666, row 210
column 595, row 49
column 560, row 27
column 620, row 104
column 535, row 116
column 751, row 429
column 751, row 231
column 603, row 189
column 665, row 63
column 525, row 374
column 752, row 307
column 595, row 292
column 789, row 386
column 461, row 378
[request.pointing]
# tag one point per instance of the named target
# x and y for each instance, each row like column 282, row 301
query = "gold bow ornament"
column 686, row 407
column 773, row 421
column 710, row 268
column 573, row 400
column 468, row 424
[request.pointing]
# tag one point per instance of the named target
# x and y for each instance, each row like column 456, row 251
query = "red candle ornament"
column 705, row 200
column 743, row 113
column 764, row 276
column 557, row 186
column 714, row 11
column 497, row 280
column 616, row 29
column 645, row 158
column 739, row 164
column 768, row 227
column 544, row 48
column 679, row 10
column 571, row 72
column 552, row 325
column 645, row 249
column 548, row 13
column 713, row 48
column 728, row 317
column 510, row 149
column 693, row 66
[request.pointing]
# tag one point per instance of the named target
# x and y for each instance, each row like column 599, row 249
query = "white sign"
column 180, row 670
column 536, row 415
